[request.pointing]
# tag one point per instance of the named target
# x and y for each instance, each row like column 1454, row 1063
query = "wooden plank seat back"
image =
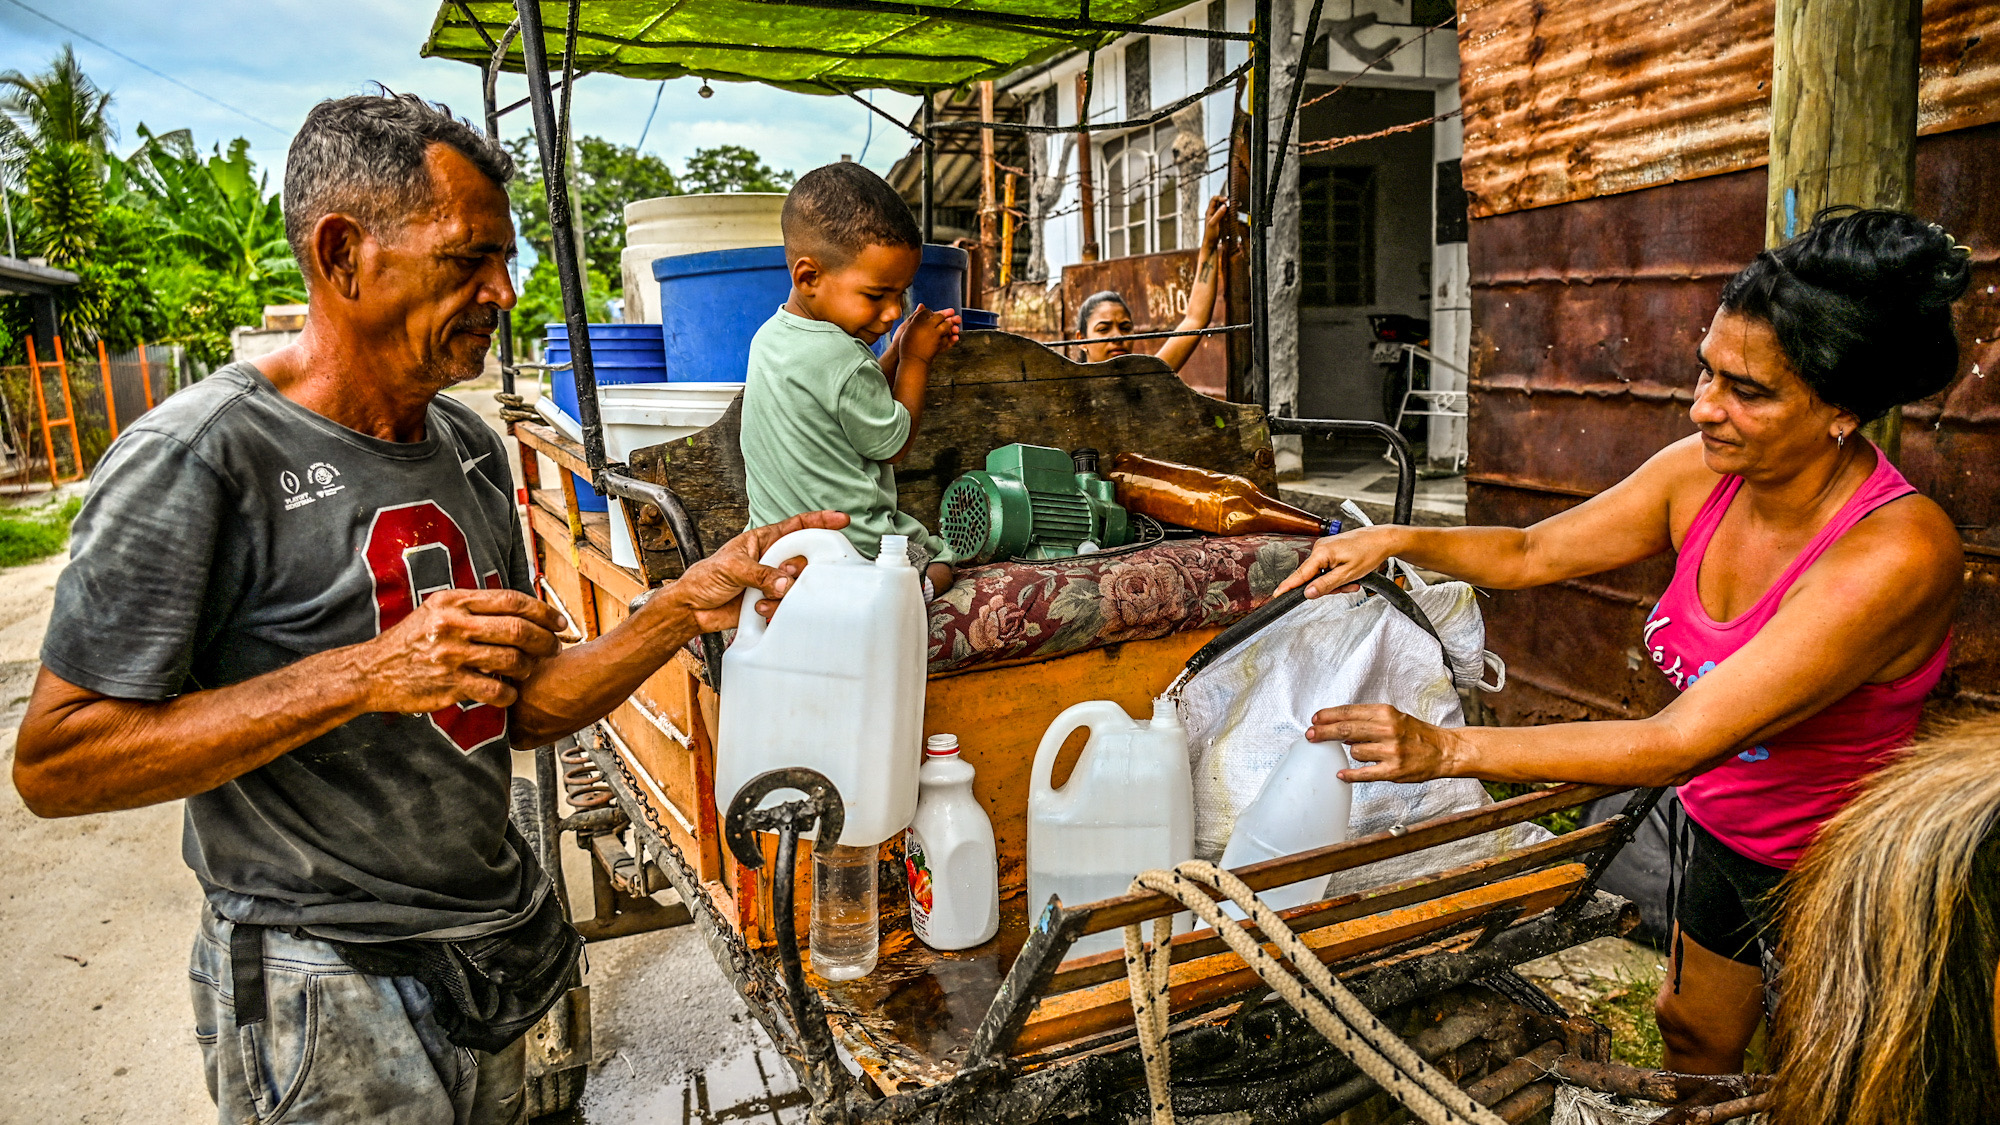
column 993, row 389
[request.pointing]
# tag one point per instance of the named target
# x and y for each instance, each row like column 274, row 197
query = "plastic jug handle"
column 817, row 545
column 1093, row 715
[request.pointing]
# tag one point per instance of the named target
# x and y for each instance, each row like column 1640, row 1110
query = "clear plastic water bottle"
column 845, row 925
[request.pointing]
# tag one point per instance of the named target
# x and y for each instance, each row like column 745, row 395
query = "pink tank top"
column 1768, row 800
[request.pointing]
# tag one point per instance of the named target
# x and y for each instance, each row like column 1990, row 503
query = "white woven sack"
column 1245, row 709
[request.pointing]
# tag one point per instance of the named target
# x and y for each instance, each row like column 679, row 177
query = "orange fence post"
column 145, row 375
column 42, row 409
column 69, row 405
column 110, row 390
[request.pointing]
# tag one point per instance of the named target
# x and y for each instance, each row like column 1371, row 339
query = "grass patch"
column 1628, row 1011
column 27, row 534
column 1558, row 822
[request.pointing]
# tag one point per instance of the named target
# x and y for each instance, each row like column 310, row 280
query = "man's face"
column 864, row 295
column 433, row 292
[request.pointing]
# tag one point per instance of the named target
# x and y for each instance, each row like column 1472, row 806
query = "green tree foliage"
column 170, row 246
column 214, row 210
column 732, row 168
column 608, row 176
column 61, row 105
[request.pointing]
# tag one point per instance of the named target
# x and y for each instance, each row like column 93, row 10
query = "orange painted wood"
column 1085, row 971
column 1098, row 1009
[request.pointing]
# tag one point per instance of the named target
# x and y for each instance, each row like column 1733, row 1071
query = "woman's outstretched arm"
column 1623, row 524
column 1176, row 351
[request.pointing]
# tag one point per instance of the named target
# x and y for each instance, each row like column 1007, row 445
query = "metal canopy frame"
column 552, row 133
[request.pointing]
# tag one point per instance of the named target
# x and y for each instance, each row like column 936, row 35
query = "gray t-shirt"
column 231, row 532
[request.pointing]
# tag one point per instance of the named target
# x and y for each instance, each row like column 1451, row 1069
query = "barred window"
column 1336, row 236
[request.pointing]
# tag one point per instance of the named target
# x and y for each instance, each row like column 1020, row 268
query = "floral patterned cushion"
column 1003, row 613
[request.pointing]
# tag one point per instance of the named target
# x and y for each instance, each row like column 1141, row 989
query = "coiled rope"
column 1332, row 1010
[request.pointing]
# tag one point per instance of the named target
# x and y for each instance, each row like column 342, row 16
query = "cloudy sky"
column 266, row 62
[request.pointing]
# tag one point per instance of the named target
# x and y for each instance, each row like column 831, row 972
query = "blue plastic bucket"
column 712, row 303
column 619, row 353
column 978, row 320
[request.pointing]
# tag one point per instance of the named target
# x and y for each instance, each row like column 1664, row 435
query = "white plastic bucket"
column 689, row 224
column 637, row 415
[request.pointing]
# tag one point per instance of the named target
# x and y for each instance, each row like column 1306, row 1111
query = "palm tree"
column 58, row 106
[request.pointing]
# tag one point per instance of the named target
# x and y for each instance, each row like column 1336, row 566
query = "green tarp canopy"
column 811, row 46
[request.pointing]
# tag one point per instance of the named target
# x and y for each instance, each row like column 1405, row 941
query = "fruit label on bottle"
column 917, row 866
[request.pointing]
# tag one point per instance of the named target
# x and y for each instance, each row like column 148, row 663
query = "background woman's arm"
column 1176, row 351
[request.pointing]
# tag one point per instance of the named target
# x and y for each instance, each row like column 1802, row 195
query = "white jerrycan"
column 835, row 683
column 1127, row 807
column 1302, row 806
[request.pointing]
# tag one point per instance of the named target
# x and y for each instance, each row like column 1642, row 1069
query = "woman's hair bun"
column 1861, row 303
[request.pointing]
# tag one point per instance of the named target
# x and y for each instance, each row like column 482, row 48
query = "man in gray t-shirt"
column 299, row 598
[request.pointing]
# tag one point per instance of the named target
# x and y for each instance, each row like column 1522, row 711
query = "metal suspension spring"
column 583, row 782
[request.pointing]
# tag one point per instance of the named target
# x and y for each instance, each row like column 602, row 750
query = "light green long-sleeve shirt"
column 819, row 424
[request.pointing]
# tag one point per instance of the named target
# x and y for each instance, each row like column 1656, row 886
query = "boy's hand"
column 925, row 333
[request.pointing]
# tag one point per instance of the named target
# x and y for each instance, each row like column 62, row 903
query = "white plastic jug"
column 835, row 683
column 1127, row 807
column 1302, row 806
column 949, row 855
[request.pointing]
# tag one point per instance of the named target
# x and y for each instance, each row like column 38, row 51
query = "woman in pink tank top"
column 1809, row 612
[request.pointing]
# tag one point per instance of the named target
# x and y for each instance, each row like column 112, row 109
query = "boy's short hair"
column 835, row 212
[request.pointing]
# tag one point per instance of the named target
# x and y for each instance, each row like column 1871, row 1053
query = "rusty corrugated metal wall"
column 1614, row 154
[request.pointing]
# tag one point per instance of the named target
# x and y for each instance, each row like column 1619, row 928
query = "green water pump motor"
column 1032, row 502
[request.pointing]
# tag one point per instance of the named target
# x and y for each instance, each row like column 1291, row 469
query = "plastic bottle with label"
column 834, row 682
column 1303, row 805
column 1127, row 807
column 949, row 855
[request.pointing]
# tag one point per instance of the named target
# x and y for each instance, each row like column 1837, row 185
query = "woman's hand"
column 1390, row 745
column 1338, row 561
column 1211, row 227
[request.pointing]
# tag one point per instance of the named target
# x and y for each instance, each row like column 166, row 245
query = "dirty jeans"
column 338, row 1046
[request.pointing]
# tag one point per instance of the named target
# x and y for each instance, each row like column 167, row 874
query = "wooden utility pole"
column 989, row 237
column 1843, row 120
column 1086, row 192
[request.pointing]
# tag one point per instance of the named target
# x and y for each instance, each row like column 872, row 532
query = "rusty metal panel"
column 1572, row 649
column 1572, row 99
column 1585, row 318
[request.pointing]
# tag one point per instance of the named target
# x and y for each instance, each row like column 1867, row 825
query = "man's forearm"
column 79, row 752
column 585, row 682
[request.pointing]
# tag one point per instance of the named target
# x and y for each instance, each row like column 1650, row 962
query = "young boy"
column 823, row 422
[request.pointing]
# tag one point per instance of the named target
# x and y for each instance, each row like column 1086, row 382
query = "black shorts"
column 1727, row 902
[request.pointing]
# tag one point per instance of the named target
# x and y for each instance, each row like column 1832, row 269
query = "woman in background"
column 1105, row 318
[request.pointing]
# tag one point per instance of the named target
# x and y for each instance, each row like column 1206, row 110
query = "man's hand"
column 1338, row 561
column 460, row 646
column 712, row 589
column 1391, row 745
column 926, row 333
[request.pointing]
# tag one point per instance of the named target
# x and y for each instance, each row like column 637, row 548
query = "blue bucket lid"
column 719, row 261
column 619, row 331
